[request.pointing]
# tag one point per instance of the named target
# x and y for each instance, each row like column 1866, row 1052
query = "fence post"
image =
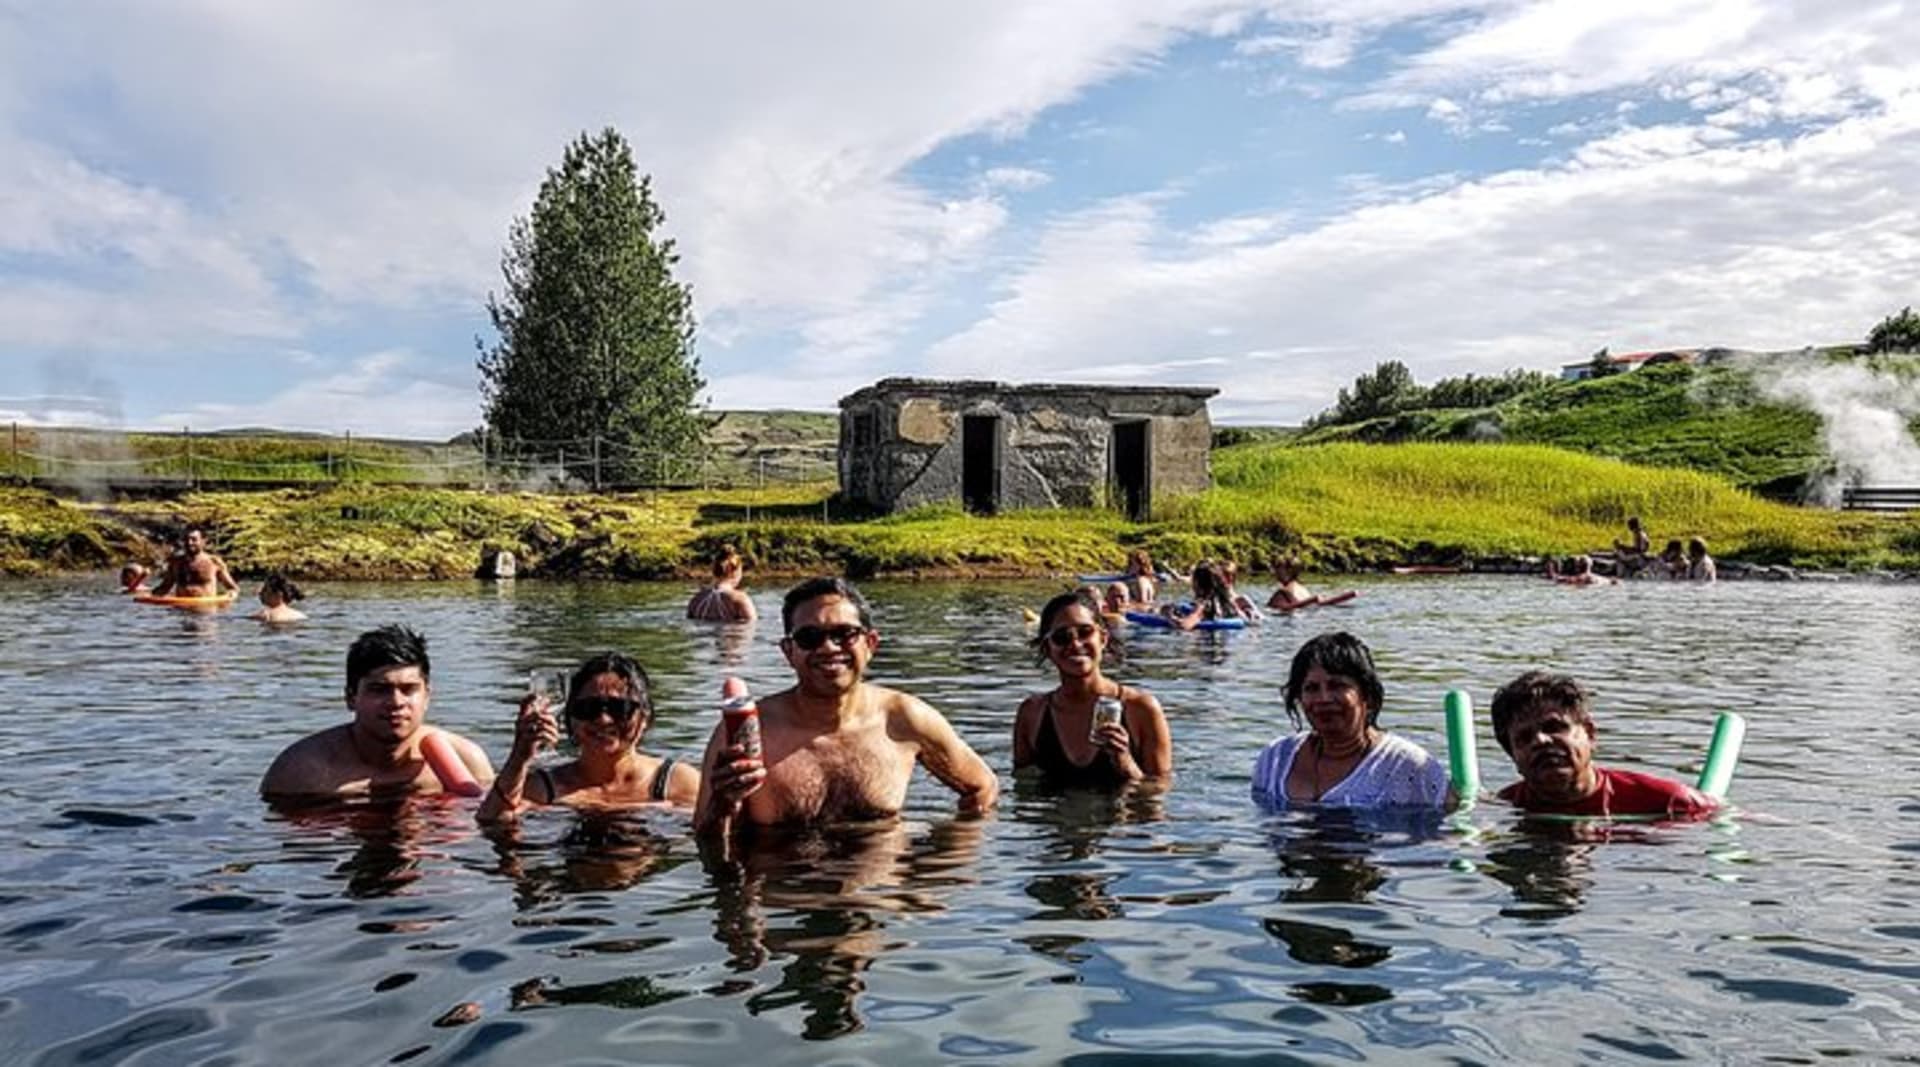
column 346, row 459
column 13, row 461
column 186, row 434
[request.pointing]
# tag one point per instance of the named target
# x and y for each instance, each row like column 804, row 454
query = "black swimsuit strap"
column 546, row 782
column 661, row 779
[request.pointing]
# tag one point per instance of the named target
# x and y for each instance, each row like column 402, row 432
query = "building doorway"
column 980, row 463
column 1130, row 474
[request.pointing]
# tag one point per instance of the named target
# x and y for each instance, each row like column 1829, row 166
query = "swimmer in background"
column 379, row 752
column 1672, row 563
column 1544, row 721
column 1212, row 600
column 1631, row 556
column 1139, row 580
column 132, row 577
column 1229, row 575
column 1114, row 603
column 195, row 572
column 1700, row 566
column 723, row 600
column 277, row 595
column 1579, row 572
column 1291, row 595
column 607, row 712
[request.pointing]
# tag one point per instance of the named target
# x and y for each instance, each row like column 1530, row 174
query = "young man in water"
column 835, row 747
column 193, row 571
column 1545, row 722
column 388, row 687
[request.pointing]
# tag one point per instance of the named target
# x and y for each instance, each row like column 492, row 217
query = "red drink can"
column 741, row 716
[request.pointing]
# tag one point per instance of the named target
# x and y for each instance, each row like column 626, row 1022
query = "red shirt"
column 1621, row 793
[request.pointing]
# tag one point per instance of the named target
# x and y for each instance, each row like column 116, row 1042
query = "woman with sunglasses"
column 607, row 711
column 1055, row 732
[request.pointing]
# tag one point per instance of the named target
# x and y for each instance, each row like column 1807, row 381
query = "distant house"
column 991, row 446
column 1581, row 371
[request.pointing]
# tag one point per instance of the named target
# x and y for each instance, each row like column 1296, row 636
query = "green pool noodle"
column 1463, row 765
column 1728, row 732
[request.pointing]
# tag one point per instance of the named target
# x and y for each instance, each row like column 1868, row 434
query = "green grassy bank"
column 1343, row 506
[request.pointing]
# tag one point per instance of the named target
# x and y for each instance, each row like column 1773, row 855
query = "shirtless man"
column 195, row 572
column 835, row 747
column 724, row 600
column 388, row 688
column 1631, row 556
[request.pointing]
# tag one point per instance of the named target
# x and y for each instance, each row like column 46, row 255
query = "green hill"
column 1701, row 418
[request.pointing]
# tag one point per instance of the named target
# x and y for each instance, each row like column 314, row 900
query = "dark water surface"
column 152, row 911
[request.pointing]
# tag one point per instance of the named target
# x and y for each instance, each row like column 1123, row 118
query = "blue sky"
column 220, row 214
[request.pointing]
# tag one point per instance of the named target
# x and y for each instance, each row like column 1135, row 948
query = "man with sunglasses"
column 378, row 751
column 834, row 747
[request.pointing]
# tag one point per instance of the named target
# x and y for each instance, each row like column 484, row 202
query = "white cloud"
column 1014, row 179
column 384, row 393
column 1651, row 237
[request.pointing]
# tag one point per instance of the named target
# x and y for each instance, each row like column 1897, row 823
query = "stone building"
column 993, row 446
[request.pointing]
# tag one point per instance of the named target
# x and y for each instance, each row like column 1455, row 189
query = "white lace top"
column 1397, row 773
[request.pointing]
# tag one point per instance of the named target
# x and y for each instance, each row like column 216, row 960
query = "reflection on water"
column 152, row 911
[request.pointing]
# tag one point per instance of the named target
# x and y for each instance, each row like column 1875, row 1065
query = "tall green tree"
column 595, row 335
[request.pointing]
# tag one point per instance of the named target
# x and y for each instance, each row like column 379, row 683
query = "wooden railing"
column 1880, row 498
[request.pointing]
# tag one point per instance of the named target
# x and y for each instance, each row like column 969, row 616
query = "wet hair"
column 1536, row 689
column 620, row 665
column 818, row 587
column 1213, row 591
column 1633, row 521
column 1289, row 565
column 132, row 573
column 1084, row 597
column 389, row 646
column 1674, row 548
column 281, row 586
column 726, row 560
column 1696, row 547
column 1336, row 653
column 1138, row 561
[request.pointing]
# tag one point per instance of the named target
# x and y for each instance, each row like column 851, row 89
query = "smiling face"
column 1076, row 639
column 389, row 704
column 195, row 542
column 838, row 662
column 605, row 732
column 1335, row 707
column 1552, row 748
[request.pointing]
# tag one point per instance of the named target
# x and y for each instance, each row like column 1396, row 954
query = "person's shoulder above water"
column 1395, row 773
column 1620, row 793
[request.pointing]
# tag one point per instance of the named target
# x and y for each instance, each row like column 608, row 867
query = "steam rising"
column 1864, row 414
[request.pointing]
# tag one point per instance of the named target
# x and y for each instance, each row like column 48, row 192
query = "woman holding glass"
column 607, row 709
column 1061, row 733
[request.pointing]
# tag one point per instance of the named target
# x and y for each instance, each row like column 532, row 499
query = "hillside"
column 1708, row 419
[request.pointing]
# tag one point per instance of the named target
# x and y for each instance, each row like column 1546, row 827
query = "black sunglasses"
column 808, row 638
column 620, row 709
column 1065, row 636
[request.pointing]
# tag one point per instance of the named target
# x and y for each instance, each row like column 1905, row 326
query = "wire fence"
column 135, row 461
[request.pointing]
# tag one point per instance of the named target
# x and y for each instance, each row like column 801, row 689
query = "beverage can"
column 741, row 716
column 1105, row 710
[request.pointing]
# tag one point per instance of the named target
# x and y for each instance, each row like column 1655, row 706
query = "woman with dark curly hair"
column 1341, row 757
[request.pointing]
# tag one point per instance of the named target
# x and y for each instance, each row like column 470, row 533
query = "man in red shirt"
column 1545, row 722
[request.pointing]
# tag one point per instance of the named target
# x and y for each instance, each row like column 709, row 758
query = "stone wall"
column 902, row 445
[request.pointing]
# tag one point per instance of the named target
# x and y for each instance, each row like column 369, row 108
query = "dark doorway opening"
column 1130, row 468
column 980, row 463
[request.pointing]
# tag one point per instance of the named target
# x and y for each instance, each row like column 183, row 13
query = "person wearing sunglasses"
column 834, row 747
column 607, row 711
column 1054, row 732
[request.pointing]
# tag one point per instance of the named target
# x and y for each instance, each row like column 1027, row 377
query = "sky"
column 221, row 213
